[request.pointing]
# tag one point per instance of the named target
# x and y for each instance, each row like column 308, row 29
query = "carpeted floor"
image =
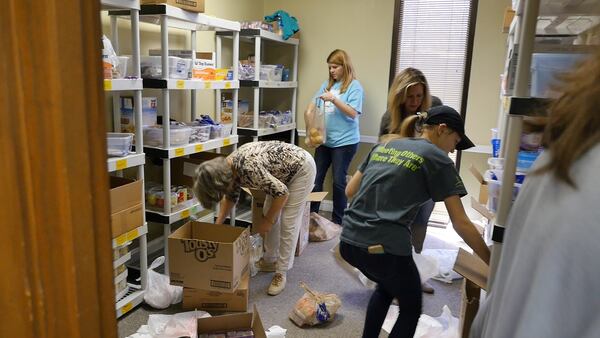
column 320, row 270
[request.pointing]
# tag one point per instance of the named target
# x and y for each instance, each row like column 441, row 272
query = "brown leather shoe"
column 427, row 288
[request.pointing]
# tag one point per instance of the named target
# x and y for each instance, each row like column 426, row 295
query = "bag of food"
column 314, row 118
column 322, row 229
column 315, row 308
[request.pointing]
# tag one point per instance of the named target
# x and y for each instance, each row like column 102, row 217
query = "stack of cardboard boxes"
column 211, row 262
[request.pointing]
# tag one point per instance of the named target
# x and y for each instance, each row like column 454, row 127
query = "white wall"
column 489, row 52
column 362, row 28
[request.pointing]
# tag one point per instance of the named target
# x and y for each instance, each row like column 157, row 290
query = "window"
column 434, row 36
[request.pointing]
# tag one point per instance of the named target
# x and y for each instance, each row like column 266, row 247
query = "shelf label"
column 185, row 214
column 227, row 85
column 107, row 84
column 199, row 148
column 180, row 84
column 127, row 307
column 207, row 85
column 226, row 142
column 121, row 164
column 121, row 239
column 179, row 152
column 133, row 234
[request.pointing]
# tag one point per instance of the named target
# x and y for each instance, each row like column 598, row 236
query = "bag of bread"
column 315, row 308
column 314, row 119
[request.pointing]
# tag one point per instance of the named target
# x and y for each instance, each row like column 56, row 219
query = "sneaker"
column 264, row 266
column 277, row 284
column 427, row 288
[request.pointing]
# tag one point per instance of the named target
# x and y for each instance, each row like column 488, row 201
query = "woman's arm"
column 465, row 229
column 271, row 216
column 224, row 209
column 353, row 184
column 341, row 105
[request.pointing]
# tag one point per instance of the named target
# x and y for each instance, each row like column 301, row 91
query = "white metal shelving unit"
column 171, row 17
column 534, row 18
column 129, row 299
column 258, row 36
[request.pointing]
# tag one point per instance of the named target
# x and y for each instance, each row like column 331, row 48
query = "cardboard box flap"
column 216, row 232
column 472, row 268
column 481, row 209
column 316, row 196
column 257, row 325
column 477, row 174
column 240, row 321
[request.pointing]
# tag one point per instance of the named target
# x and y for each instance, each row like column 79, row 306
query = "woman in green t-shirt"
column 397, row 177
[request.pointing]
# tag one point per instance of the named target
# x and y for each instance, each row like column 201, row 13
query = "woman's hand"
column 264, row 226
column 328, row 96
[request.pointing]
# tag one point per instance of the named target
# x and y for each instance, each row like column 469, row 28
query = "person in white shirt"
column 547, row 280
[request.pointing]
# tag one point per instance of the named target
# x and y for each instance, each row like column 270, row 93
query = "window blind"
column 434, row 39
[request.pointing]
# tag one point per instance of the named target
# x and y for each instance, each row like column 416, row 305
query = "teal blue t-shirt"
column 341, row 130
column 397, row 178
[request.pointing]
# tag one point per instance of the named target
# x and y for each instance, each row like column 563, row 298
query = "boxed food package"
column 258, row 203
column 204, row 66
column 149, row 113
column 476, row 274
column 209, row 256
column 189, row 5
column 125, row 205
column 216, row 300
column 248, row 323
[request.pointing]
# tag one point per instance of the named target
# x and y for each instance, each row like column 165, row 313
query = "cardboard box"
column 190, row 5
column 209, row 256
column 258, row 202
column 483, row 188
column 509, row 14
column 218, row 301
column 476, row 274
column 234, row 322
column 125, row 205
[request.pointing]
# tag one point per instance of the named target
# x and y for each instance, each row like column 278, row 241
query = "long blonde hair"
column 397, row 96
column 574, row 121
column 412, row 126
column 340, row 57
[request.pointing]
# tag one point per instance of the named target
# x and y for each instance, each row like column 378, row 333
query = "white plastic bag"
column 322, row 229
column 256, row 253
column 160, row 294
column 427, row 266
column 315, row 308
column 184, row 324
column 444, row 326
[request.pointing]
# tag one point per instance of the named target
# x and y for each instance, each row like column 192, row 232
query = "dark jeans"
column 339, row 159
column 418, row 228
column 396, row 277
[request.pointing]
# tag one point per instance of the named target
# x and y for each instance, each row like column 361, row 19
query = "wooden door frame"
column 56, row 243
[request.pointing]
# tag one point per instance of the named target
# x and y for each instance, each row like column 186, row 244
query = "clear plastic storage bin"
column 220, row 130
column 544, row 69
column 119, row 144
column 200, row 133
column 271, row 72
column 153, row 136
column 179, row 68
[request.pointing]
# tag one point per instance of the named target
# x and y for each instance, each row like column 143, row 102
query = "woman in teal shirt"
column 341, row 99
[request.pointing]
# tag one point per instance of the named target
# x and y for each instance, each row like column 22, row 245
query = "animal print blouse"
column 268, row 166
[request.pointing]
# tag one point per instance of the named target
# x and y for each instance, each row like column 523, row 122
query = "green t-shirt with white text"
column 398, row 177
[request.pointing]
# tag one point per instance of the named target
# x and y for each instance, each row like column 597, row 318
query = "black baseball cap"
column 449, row 116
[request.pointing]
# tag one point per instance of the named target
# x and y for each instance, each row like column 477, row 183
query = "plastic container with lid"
column 179, row 68
column 200, row 133
column 119, row 144
column 180, row 135
column 544, row 69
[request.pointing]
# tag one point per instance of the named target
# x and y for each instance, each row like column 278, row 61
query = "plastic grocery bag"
column 314, row 119
column 428, row 266
column 322, row 229
column 160, row 293
column 184, row 324
column 256, row 253
column 315, row 308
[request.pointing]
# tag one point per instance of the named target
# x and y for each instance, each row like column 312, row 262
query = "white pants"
column 280, row 242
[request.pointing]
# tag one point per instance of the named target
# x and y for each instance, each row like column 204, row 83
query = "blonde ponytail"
column 412, row 125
